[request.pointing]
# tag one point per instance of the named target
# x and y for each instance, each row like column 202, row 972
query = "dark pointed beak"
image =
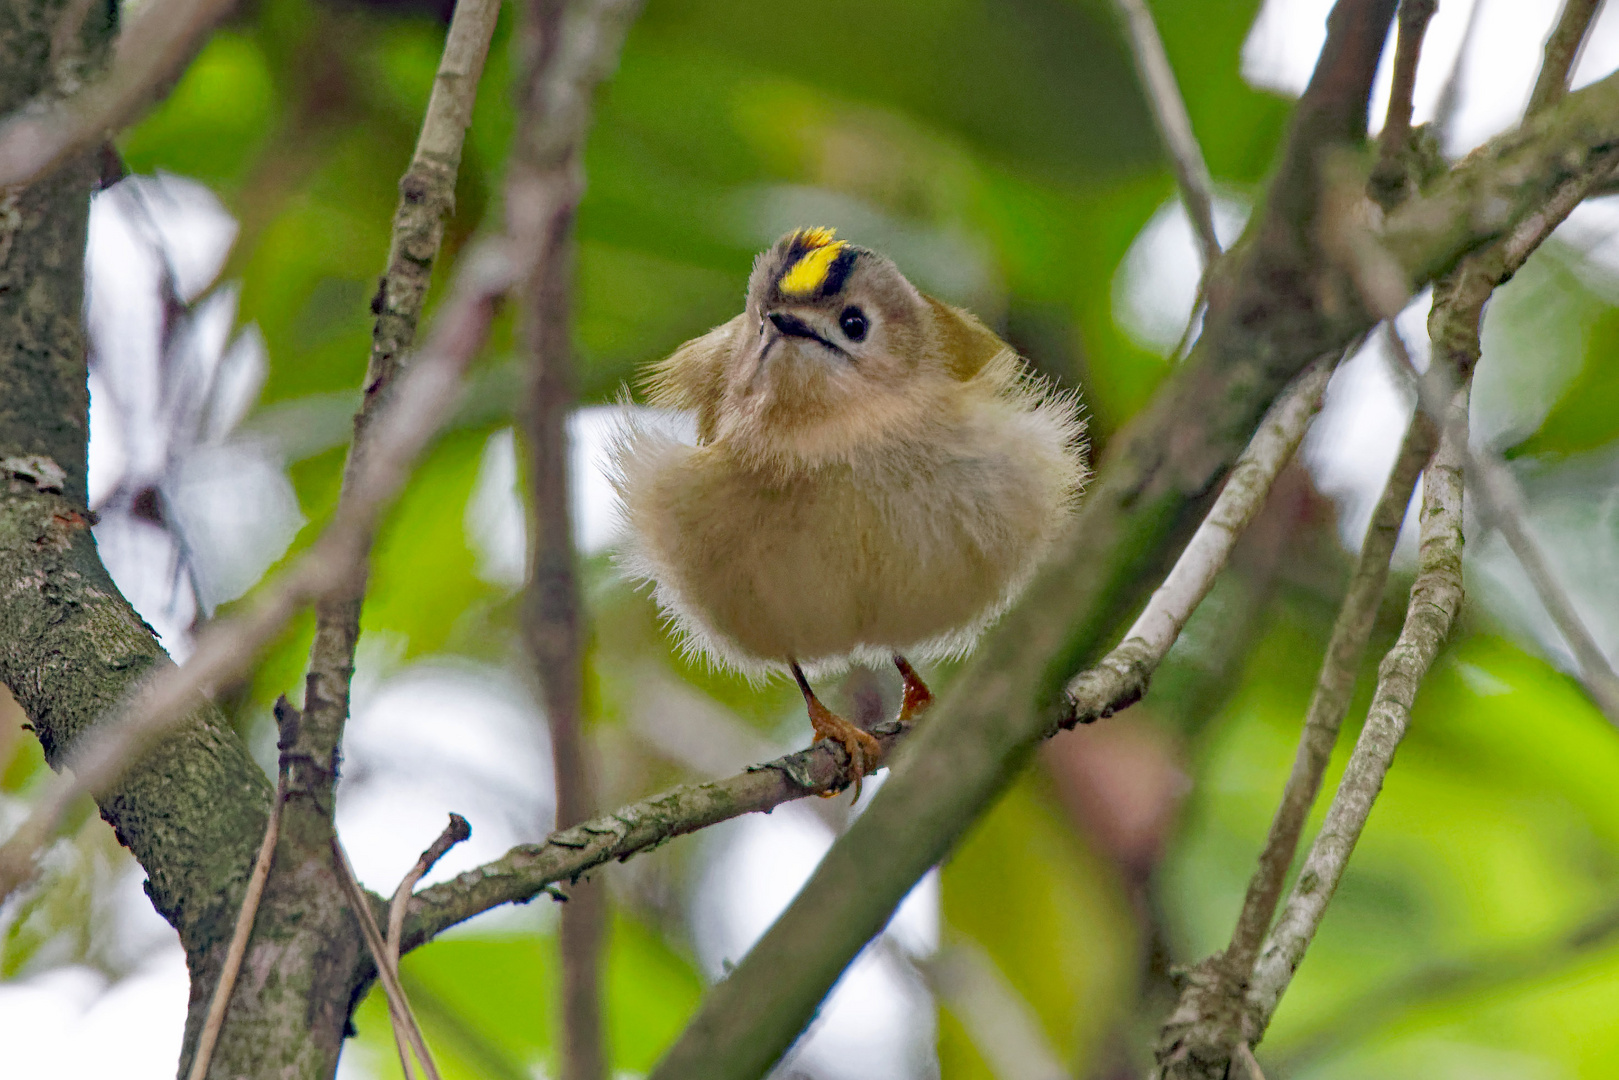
column 792, row 325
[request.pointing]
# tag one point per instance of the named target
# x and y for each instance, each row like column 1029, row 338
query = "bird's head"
column 838, row 350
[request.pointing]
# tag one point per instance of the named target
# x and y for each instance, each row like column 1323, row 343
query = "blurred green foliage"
column 1003, row 154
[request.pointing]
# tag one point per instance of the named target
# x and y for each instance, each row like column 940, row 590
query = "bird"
column 875, row 476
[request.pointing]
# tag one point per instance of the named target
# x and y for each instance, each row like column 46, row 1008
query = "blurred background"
column 1002, row 154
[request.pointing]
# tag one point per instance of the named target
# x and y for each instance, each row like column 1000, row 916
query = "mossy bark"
column 193, row 810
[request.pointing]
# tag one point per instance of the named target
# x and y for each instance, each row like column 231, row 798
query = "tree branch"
column 1329, row 702
column 151, row 52
column 565, row 48
column 1206, row 1025
column 1436, row 595
column 1167, row 462
column 1505, row 184
column 1501, row 501
column 1563, row 48
column 1120, row 678
column 566, row 855
column 226, row 648
column 1389, row 176
column 1454, row 327
column 426, row 198
column 1174, row 126
column 455, row 832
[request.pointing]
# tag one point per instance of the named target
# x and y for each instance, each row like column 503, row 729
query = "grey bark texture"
column 193, row 810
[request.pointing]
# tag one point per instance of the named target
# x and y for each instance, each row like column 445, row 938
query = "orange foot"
column 863, row 750
column 917, row 695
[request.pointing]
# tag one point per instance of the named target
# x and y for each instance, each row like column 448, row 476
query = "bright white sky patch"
column 1156, row 285
column 877, row 1024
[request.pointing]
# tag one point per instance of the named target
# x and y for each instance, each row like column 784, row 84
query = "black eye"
column 853, row 322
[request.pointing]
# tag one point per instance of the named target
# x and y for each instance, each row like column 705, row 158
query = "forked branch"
column 228, row 646
column 1436, row 596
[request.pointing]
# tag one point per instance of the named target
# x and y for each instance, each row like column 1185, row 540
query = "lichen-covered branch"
column 1504, row 183
column 567, row 855
column 1205, row 1029
column 1501, row 503
column 426, row 197
column 1436, row 596
column 227, row 646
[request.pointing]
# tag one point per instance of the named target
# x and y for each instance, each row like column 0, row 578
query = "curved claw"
column 917, row 695
column 862, row 749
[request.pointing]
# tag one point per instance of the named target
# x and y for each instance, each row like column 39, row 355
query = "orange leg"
column 917, row 695
column 863, row 750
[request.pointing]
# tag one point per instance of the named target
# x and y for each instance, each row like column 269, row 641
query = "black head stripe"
column 838, row 272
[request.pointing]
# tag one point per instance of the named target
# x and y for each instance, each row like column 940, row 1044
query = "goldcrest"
column 875, row 476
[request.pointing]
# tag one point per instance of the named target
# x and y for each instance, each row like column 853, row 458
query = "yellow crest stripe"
column 813, row 236
column 808, row 273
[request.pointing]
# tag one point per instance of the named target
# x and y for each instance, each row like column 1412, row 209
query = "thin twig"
column 1450, row 91
column 1501, row 502
column 245, row 916
column 1454, row 327
column 1329, row 702
column 568, row 854
column 387, row 972
column 159, row 41
column 249, row 910
column 1389, row 175
column 225, row 649
column 1174, row 125
column 1563, row 48
column 426, row 197
column 238, row 943
column 455, row 832
column 1121, row 676
column 564, row 51
column 1436, row 595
